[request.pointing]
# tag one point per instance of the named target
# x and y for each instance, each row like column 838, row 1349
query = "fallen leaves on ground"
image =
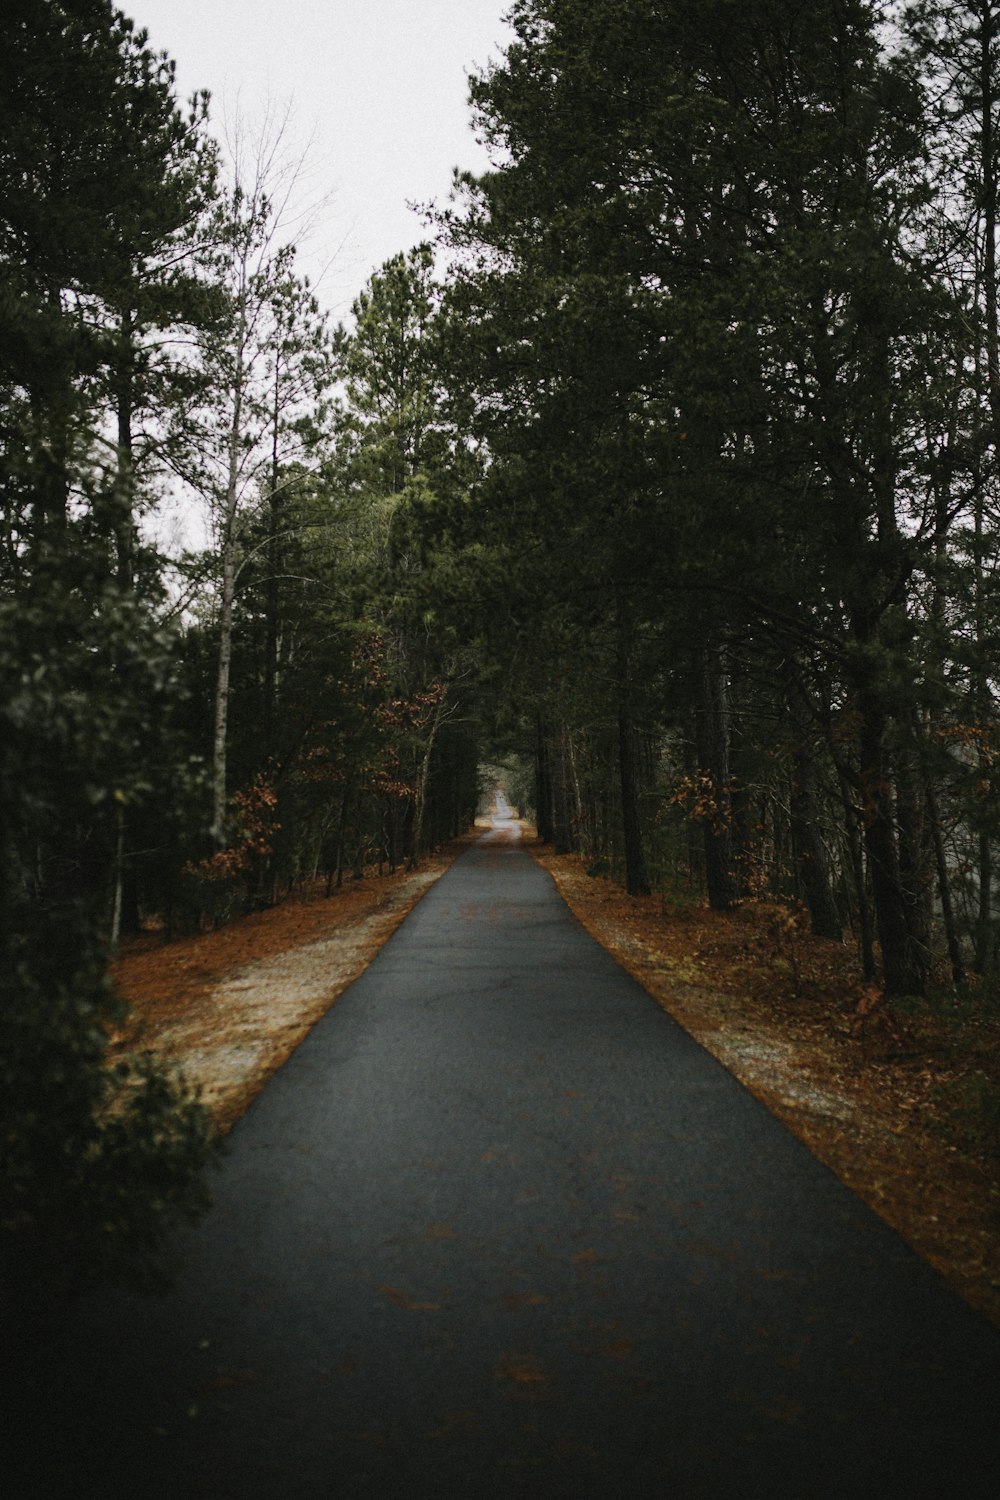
column 865, row 1087
column 522, row 1369
column 229, row 1007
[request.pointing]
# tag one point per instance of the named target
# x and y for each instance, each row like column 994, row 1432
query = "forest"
column 659, row 484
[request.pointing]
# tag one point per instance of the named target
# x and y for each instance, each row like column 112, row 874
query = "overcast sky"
column 379, row 86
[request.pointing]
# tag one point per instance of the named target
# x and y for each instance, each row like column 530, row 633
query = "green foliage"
column 391, row 375
column 96, row 1164
column 101, row 178
column 699, row 320
column 684, row 480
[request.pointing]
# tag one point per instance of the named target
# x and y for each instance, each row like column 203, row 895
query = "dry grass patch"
column 229, row 1007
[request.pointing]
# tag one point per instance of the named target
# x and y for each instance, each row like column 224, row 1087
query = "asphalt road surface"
column 500, row 1228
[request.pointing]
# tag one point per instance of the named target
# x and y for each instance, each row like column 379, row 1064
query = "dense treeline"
column 185, row 735
column 728, row 312
column 674, row 497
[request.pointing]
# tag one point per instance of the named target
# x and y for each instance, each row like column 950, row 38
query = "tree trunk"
column 810, row 855
column 52, row 407
column 636, row 875
column 984, row 905
column 866, row 928
column 577, row 816
column 228, row 594
column 543, row 784
column 712, row 730
column 116, row 902
column 983, row 958
column 903, row 968
column 420, row 803
column 944, row 891
column 273, row 582
column 124, row 498
column 121, row 529
column 221, row 720
column 915, row 850
column 562, row 827
column 982, row 23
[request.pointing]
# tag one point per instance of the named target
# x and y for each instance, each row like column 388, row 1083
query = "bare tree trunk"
column 983, row 957
column 420, row 801
column 228, row 593
column 122, row 528
column 273, row 585
column 221, row 721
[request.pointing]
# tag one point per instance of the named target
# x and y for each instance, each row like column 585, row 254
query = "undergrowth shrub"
column 98, row 1164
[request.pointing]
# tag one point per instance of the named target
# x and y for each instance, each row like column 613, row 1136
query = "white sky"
column 378, row 91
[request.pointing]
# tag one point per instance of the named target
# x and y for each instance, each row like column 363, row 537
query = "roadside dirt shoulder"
column 776, row 1010
column 227, row 1008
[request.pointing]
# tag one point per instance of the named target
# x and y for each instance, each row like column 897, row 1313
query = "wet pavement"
column 500, row 1228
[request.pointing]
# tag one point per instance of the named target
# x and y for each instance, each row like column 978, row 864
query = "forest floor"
column 903, row 1107
column 227, row 1008
column 898, row 1106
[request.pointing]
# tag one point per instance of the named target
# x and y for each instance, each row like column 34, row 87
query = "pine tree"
column 99, row 170
column 697, row 336
column 266, row 368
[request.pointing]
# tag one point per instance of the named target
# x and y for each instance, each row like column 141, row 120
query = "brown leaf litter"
column 229, row 1007
column 781, row 1010
column 865, row 1089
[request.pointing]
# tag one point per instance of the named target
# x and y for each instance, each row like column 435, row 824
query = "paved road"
column 501, row 1229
